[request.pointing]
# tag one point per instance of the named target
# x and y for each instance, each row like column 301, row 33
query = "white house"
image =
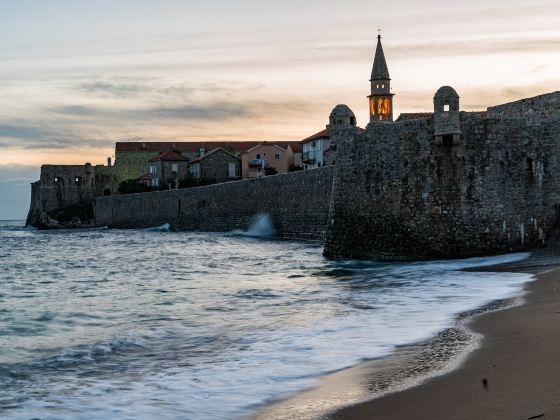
column 314, row 148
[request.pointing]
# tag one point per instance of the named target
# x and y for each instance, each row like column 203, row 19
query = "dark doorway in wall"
column 447, row 140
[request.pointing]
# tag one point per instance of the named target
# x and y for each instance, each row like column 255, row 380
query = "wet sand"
column 513, row 374
column 501, row 361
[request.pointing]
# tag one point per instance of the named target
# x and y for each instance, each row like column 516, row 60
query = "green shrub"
column 132, row 186
column 191, row 182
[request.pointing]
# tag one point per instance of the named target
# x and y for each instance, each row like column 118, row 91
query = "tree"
column 132, row 186
column 190, row 182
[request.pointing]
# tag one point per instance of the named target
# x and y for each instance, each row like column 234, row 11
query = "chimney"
column 202, row 151
column 174, row 146
column 109, row 161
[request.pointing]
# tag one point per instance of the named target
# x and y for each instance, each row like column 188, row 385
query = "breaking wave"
column 132, row 324
column 262, row 226
column 166, row 227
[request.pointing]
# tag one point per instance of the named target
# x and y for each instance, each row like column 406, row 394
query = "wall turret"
column 341, row 119
column 447, row 116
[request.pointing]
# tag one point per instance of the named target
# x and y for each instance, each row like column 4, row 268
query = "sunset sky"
column 77, row 76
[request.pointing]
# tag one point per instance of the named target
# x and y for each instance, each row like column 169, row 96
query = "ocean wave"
column 262, row 226
column 170, row 324
column 166, row 227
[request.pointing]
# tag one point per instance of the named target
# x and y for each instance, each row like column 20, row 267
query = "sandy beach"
column 501, row 361
column 514, row 374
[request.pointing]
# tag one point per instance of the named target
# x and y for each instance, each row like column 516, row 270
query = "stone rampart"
column 533, row 110
column 297, row 202
column 400, row 195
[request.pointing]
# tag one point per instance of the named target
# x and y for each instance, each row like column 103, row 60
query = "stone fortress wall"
column 298, row 203
column 533, row 110
column 456, row 184
column 61, row 186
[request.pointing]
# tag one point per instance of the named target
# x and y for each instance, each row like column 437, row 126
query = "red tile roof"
column 406, row 116
column 296, row 146
column 169, row 156
column 195, row 146
column 324, row 134
column 205, row 155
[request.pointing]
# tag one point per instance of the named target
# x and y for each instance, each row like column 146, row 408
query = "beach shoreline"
column 372, row 389
column 513, row 374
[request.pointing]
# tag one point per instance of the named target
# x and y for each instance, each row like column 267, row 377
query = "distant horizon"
column 75, row 79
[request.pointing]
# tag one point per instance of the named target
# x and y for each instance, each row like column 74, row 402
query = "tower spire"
column 380, row 70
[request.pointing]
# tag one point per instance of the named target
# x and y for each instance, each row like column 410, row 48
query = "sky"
column 77, row 76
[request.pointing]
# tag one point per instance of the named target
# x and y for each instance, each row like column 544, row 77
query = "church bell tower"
column 381, row 98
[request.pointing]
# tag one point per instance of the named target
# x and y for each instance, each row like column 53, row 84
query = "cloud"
column 24, row 135
column 100, row 125
column 22, row 131
column 212, row 111
column 476, row 47
column 112, row 89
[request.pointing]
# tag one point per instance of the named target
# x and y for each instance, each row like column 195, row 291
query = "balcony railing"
column 261, row 163
column 308, row 157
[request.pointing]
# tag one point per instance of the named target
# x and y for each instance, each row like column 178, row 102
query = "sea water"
column 157, row 324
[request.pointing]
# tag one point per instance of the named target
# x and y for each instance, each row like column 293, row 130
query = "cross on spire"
column 379, row 30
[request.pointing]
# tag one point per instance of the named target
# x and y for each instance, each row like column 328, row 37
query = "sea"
column 152, row 323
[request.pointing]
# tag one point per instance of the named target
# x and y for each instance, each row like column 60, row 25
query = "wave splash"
column 262, row 226
column 163, row 228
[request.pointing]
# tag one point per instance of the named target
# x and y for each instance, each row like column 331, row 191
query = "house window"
column 277, row 156
column 232, row 170
column 195, row 170
column 446, row 108
column 56, row 179
column 78, row 180
column 258, row 156
column 174, row 167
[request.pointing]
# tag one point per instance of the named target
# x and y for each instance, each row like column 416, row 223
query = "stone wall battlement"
column 533, row 110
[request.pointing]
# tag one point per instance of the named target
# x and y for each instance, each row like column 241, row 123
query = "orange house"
column 266, row 159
